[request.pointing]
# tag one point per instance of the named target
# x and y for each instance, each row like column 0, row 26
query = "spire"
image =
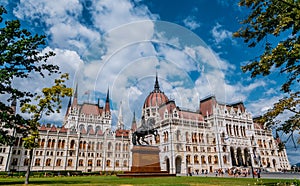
column 156, row 85
column 107, row 107
column 75, row 100
column 120, row 118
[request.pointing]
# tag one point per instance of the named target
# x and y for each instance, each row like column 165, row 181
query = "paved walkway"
column 277, row 175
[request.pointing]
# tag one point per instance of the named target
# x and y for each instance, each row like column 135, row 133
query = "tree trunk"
column 28, row 167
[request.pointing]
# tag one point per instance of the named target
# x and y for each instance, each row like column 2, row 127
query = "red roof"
column 63, row 129
column 122, row 132
column 43, row 127
column 206, row 105
column 88, row 108
column 53, row 129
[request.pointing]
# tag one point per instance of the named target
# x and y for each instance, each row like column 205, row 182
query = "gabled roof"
column 53, row 128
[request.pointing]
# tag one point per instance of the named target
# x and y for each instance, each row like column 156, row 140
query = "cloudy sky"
column 120, row 45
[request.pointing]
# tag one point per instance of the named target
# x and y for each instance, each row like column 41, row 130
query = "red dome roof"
column 156, row 97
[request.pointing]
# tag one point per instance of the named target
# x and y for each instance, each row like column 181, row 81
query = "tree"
column 276, row 24
column 48, row 102
column 20, row 57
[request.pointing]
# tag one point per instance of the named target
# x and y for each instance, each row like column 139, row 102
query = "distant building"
column 216, row 136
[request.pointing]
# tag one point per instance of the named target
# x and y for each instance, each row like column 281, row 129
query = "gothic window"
column 188, row 159
column 72, row 144
column 209, row 159
column 48, row 162
column 107, row 163
column 89, row 129
column 125, row 163
column 216, row 159
column 196, row 160
column 26, row 162
column 63, row 144
column 58, row 162
column 49, row 143
column 98, row 163
column 80, row 164
column 239, row 157
column 42, row 143
column 90, row 162
column 37, row 162
column 224, row 159
column 157, row 139
column 53, row 143
column 84, row 145
column 117, row 163
column 70, row 162
column 203, row 159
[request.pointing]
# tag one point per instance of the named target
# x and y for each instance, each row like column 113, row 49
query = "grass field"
column 113, row 180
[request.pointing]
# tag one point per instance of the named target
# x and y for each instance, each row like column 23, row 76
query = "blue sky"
column 121, row 44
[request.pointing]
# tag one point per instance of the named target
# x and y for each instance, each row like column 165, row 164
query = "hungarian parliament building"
column 216, row 136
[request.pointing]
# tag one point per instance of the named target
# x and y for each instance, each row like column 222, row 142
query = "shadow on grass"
column 46, row 182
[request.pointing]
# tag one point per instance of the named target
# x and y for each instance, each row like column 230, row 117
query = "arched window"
column 53, row 143
column 63, row 144
column 37, row 162
column 90, row 162
column 203, row 159
column 26, row 162
column 98, row 163
column 188, row 159
column 117, row 163
column 125, row 163
column 72, row 144
column 224, row 159
column 58, row 162
column 107, row 163
column 80, row 164
column 49, row 143
column 209, row 159
column 70, row 162
column 48, row 162
column 216, row 159
column 42, row 143
column 196, row 160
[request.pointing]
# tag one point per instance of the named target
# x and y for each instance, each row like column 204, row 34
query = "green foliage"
column 279, row 19
column 20, row 57
column 49, row 101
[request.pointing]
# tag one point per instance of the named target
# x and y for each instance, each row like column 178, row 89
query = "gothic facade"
column 218, row 135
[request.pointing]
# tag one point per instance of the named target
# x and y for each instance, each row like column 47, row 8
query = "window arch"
column 37, row 162
column 70, row 162
column 48, row 162
column 58, row 162
column 80, row 163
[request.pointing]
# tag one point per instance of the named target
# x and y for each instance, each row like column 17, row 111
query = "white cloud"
column 219, row 34
column 191, row 23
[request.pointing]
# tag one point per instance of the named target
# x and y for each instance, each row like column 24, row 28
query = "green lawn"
column 113, row 180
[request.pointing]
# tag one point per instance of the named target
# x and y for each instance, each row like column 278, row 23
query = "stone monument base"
column 145, row 163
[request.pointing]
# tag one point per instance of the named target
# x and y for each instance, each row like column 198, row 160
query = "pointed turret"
column 75, row 100
column 156, row 85
column 120, row 118
column 107, row 103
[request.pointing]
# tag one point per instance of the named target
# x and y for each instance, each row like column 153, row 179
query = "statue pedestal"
column 145, row 163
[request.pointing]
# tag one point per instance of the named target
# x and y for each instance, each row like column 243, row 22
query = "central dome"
column 156, row 97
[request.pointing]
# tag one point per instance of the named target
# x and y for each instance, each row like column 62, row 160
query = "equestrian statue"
column 145, row 129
